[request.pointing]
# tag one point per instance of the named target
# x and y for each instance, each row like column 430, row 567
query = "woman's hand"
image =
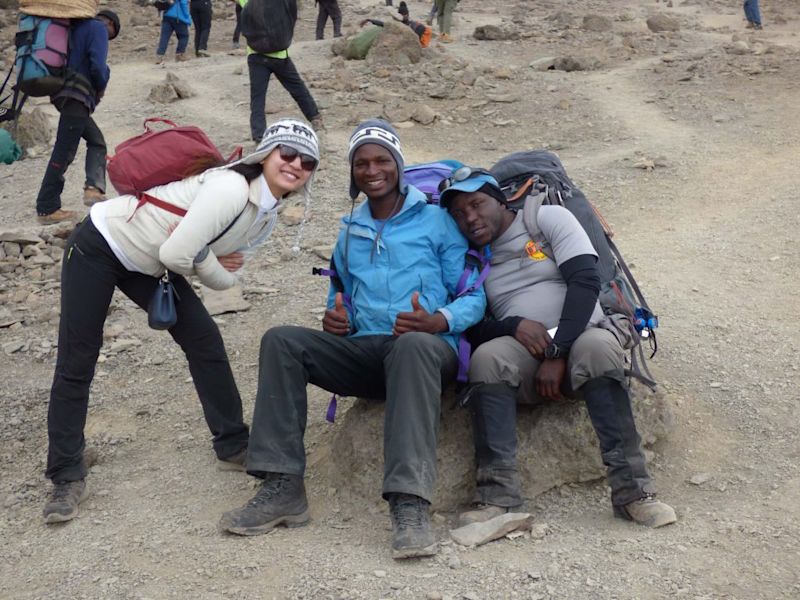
column 232, row 262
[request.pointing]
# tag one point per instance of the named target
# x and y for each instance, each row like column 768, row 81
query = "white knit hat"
column 286, row 132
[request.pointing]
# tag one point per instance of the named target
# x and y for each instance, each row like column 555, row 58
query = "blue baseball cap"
column 468, row 179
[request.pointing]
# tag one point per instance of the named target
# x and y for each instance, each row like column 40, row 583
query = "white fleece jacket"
column 212, row 201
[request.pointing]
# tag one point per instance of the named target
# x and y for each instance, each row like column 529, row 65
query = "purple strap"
column 463, row 358
column 330, row 416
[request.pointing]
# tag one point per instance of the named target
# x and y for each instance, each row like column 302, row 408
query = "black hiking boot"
column 411, row 523
column 64, row 500
column 280, row 501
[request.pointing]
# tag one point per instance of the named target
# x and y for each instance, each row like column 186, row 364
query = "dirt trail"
column 711, row 232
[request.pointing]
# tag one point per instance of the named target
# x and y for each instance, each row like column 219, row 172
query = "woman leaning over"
column 228, row 210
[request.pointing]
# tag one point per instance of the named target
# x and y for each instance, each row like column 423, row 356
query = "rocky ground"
column 686, row 138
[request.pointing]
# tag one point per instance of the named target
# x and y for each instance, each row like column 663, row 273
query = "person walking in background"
column 237, row 31
column 753, row 14
column 444, row 11
column 176, row 18
column 260, row 68
column 85, row 84
column 202, row 13
column 329, row 8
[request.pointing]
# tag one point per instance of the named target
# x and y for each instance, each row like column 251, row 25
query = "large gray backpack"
column 532, row 178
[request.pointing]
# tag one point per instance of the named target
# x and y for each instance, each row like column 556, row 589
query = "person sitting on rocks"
column 228, row 211
column 390, row 332
column 530, row 294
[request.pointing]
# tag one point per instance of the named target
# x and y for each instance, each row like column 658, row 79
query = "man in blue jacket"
column 86, row 81
column 390, row 332
column 176, row 18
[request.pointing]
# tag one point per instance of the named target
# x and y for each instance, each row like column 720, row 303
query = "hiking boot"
column 203, row 54
column 235, row 46
column 647, row 511
column 280, row 501
column 445, row 38
column 411, row 524
column 159, row 59
column 181, row 57
column 57, row 216
column 64, row 500
column 481, row 513
column 235, row 462
column 92, row 195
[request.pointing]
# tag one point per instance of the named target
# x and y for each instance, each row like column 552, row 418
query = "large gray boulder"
column 557, row 445
column 396, row 45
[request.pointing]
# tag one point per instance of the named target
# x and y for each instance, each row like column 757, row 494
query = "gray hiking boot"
column 647, row 511
column 64, row 500
column 280, row 501
column 411, row 522
column 236, row 462
column 481, row 513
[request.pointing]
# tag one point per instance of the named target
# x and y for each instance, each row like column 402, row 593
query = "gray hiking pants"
column 409, row 371
column 595, row 371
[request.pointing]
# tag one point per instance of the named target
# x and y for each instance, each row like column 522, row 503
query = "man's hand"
column 336, row 321
column 549, row 378
column 419, row 319
column 533, row 335
column 232, row 262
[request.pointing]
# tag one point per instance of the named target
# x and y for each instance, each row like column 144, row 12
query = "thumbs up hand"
column 419, row 319
column 336, row 320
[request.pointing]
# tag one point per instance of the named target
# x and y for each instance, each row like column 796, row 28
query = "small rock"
column 659, row 23
column 293, row 215
column 476, row 534
column 597, row 23
column 219, row 302
column 379, row 573
column 12, row 347
column 699, row 479
column 424, row 114
column 543, row 64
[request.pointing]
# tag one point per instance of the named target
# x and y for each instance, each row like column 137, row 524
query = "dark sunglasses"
column 288, row 154
column 461, row 174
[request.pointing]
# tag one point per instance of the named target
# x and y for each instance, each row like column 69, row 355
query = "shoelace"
column 408, row 513
column 269, row 490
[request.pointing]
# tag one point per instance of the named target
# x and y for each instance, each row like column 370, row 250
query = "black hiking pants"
column 202, row 14
column 261, row 68
column 90, row 272
column 409, row 371
column 329, row 8
column 74, row 123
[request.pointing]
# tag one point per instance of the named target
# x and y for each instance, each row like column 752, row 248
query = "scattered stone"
column 324, row 252
column 163, row 93
column 738, row 48
column 699, row 479
column 476, row 534
column 645, row 164
column 23, row 238
column 659, row 23
column 502, row 98
column 293, row 215
column 545, row 63
column 563, row 104
column 597, row 23
column 493, row 32
column 503, row 73
column 33, row 129
column 571, row 63
column 12, row 347
column 183, row 89
column 123, row 345
column 379, row 573
column 218, row 302
column 396, row 45
column 424, row 114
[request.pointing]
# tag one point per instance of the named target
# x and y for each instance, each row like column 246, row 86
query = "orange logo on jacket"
column 534, row 252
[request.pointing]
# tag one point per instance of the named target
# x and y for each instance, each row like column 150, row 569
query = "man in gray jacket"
column 547, row 342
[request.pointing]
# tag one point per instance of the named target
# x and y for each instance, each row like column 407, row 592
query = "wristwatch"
column 554, row 351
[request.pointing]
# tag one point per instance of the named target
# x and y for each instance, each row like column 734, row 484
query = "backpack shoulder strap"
column 530, row 216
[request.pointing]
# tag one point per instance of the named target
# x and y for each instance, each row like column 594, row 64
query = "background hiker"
column 444, row 14
column 175, row 19
column 122, row 245
column 423, row 31
column 753, row 14
column 261, row 67
column 237, row 31
column 329, row 8
column 202, row 14
column 389, row 332
column 516, row 356
column 84, row 86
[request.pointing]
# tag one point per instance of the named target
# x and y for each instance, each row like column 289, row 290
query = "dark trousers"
column 238, row 29
column 89, row 274
column 181, row 29
column 409, row 371
column 74, row 123
column 261, row 69
column 202, row 13
column 329, row 8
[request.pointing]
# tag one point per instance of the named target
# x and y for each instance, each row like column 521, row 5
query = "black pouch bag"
column 161, row 312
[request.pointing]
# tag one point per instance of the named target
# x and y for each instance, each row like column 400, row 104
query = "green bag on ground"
column 9, row 150
column 358, row 46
